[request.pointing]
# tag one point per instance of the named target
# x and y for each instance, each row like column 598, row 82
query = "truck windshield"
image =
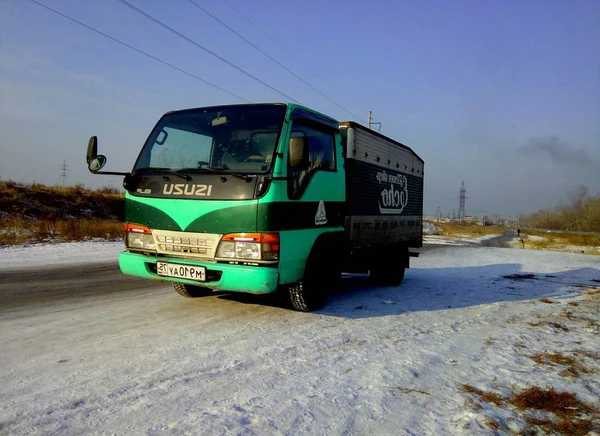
column 240, row 139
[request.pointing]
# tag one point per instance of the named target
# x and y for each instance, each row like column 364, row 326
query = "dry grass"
column 589, row 240
column 488, row 397
column 455, row 229
column 563, row 409
column 561, row 404
column 20, row 232
column 573, row 366
column 588, row 243
column 492, row 423
column 579, row 427
column 559, row 326
column 37, row 213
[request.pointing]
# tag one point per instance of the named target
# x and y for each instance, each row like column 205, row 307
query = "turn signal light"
column 136, row 228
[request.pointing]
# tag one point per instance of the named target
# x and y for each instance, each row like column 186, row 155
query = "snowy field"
column 374, row 361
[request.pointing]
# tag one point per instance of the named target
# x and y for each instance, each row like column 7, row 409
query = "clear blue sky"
column 503, row 95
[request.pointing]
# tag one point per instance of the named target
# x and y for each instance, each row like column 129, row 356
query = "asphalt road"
column 43, row 285
column 502, row 241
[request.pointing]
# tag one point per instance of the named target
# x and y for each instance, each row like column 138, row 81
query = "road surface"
column 51, row 285
column 501, row 241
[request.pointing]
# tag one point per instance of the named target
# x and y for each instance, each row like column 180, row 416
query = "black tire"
column 387, row 275
column 321, row 276
column 388, row 269
column 191, row 291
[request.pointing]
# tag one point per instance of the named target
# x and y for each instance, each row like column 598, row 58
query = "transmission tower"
column 63, row 174
column 462, row 200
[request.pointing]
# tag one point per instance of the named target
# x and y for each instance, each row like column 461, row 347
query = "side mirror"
column 92, row 149
column 97, row 163
column 298, row 153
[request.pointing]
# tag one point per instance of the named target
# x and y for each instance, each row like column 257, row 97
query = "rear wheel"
column 191, row 291
column 389, row 268
column 387, row 275
column 321, row 276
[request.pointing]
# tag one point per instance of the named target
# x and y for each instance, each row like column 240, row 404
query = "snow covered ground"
column 374, row 361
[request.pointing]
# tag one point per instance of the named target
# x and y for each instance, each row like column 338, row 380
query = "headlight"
column 249, row 246
column 226, row 249
column 140, row 241
column 247, row 250
column 138, row 237
column 239, row 250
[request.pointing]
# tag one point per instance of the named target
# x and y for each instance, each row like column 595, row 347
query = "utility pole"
column 371, row 122
column 64, row 173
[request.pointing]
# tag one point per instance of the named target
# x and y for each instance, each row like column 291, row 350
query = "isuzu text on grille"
column 187, row 189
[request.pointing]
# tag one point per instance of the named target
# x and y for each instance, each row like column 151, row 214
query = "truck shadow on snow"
column 429, row 289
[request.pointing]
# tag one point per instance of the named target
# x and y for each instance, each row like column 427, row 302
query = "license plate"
column 181, row 271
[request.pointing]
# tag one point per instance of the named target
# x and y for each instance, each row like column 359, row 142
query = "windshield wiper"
column 164, row 171
column 218, row 170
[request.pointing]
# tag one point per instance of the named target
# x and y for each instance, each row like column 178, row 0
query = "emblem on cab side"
column 321, row 215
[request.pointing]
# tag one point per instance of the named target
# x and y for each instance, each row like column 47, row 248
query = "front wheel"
column 191, row 291
column 321, row 276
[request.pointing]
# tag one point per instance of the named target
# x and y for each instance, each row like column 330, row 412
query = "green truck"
column 263, row 197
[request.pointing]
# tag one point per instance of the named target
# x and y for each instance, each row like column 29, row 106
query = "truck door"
column 321, row 161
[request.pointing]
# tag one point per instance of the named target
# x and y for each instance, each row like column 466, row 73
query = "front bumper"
column 223, row 277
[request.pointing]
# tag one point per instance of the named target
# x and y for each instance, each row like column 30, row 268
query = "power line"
column 272, row 58
column 200, row 46
column 139, row 51
column 274, row 40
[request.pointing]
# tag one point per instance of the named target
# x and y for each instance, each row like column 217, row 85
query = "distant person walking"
column 518, row 233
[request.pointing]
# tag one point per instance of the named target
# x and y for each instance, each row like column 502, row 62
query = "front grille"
column 184, row 244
